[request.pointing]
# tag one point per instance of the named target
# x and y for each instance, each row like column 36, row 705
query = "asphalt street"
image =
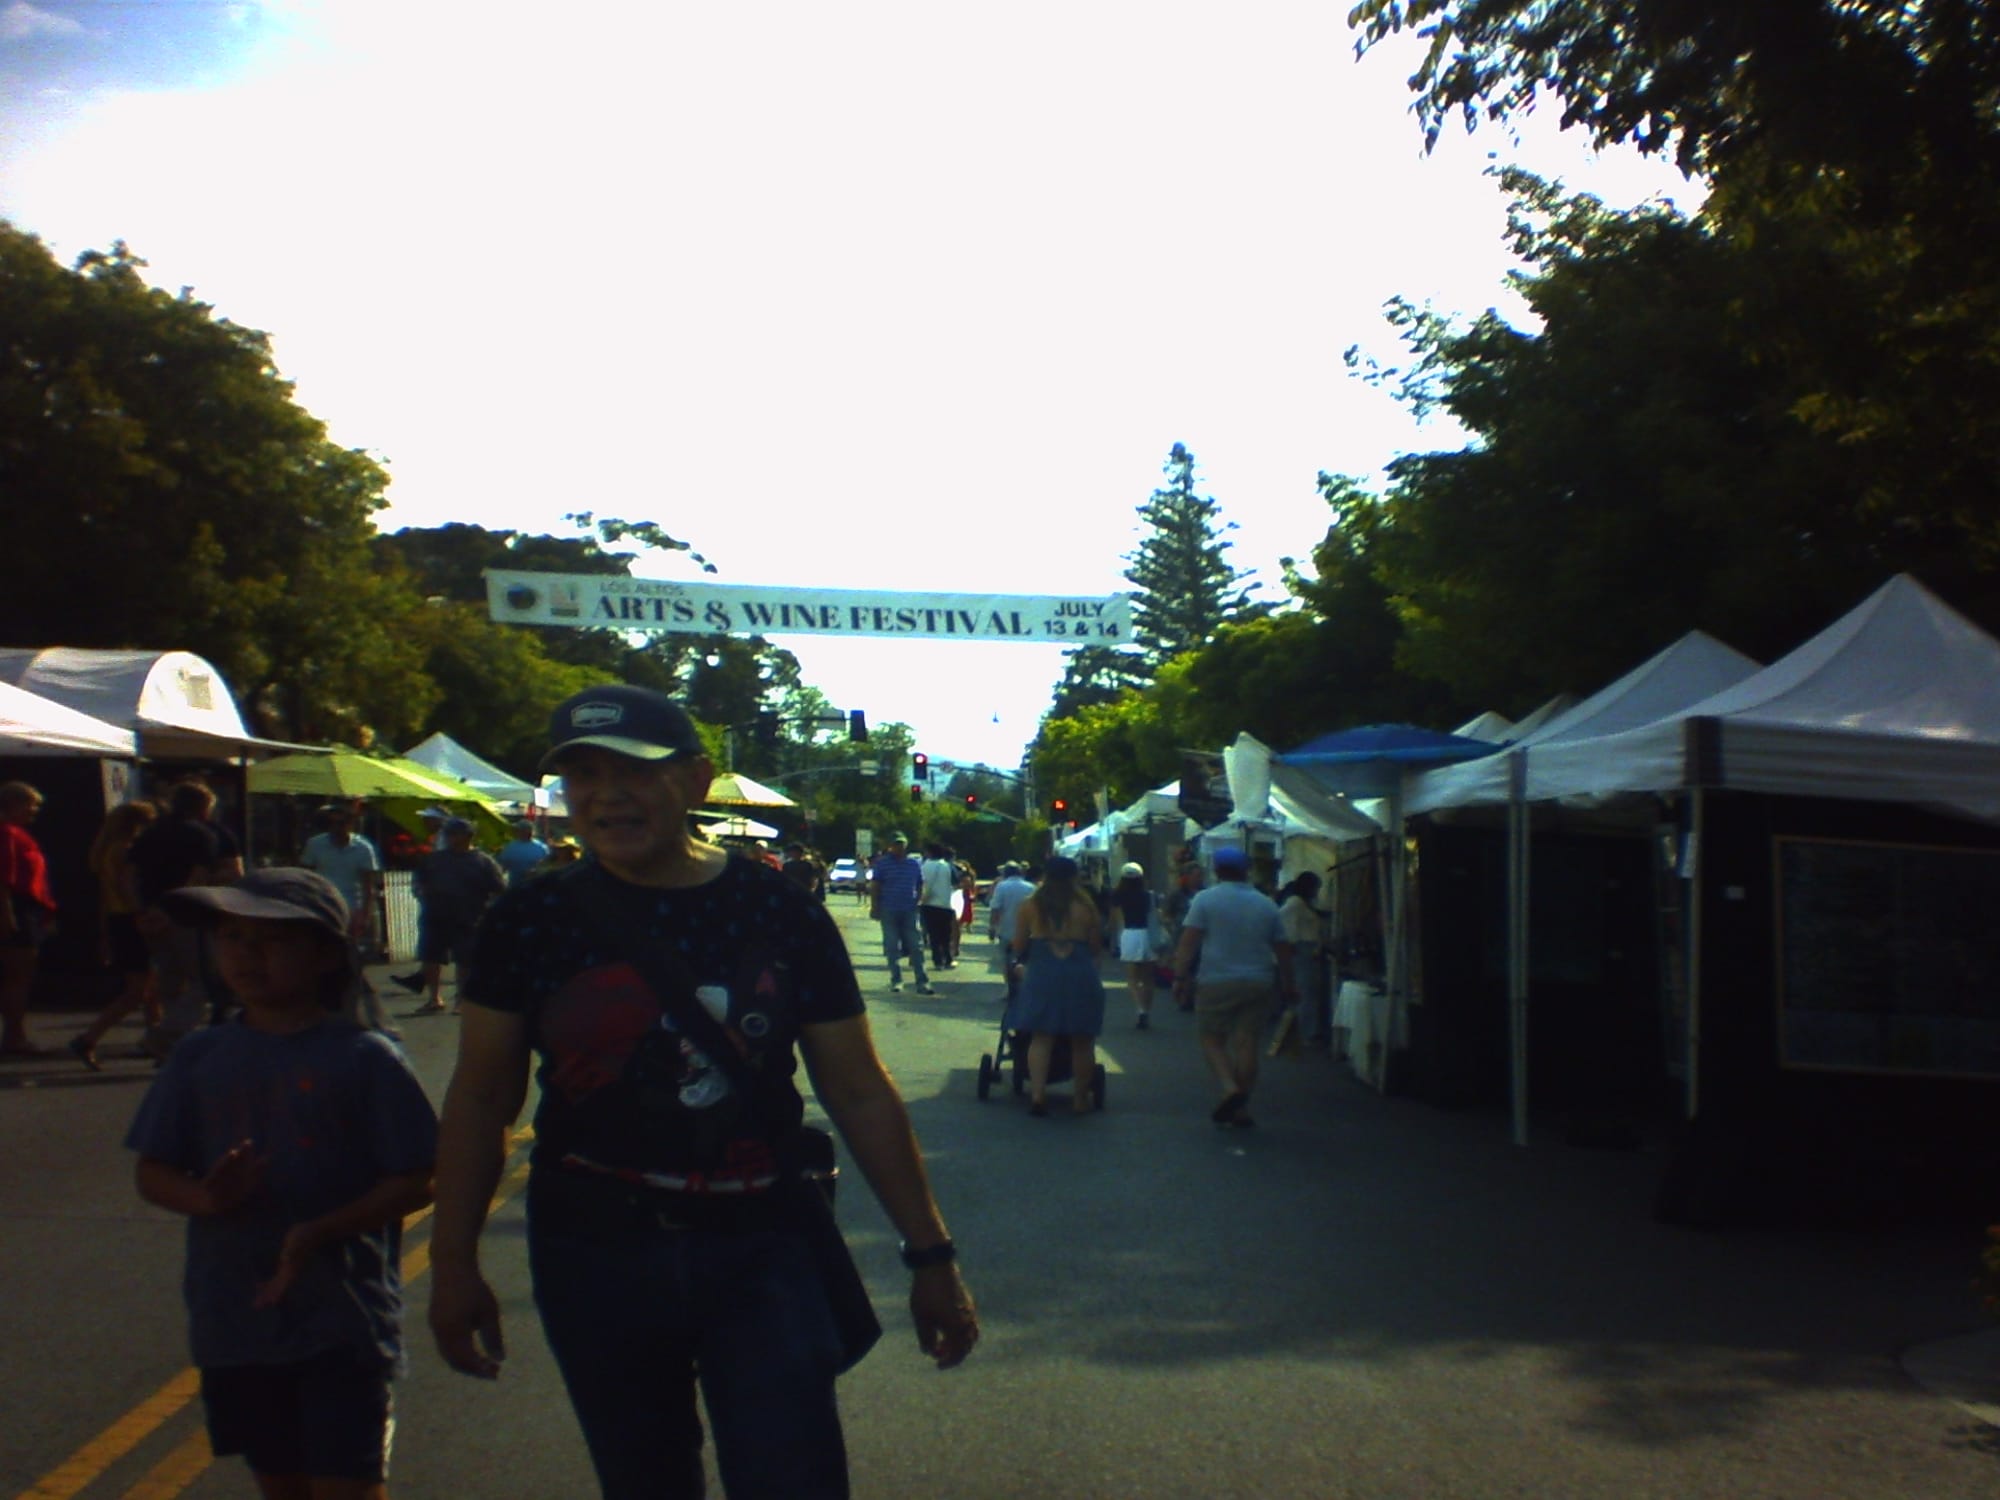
column 1360, row 1297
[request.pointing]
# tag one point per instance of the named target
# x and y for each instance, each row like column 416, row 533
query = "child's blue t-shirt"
column 336, row 1109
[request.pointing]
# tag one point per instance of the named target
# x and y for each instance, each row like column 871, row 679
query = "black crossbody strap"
column 666, row 974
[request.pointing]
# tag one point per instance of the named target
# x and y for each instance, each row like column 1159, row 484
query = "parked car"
column 844, row 876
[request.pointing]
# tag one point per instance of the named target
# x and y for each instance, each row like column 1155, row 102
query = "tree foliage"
column 1863, row 87
column 1184, row 589
column 177, row 498
column 1183, row 586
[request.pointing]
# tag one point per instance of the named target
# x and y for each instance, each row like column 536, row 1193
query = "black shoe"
column 85, row 1054
column 414, row 983
column 1144, row 1023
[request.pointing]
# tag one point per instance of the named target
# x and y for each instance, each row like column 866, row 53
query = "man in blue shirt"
column 523, row 855
column 1235, row 931
column 897, row 879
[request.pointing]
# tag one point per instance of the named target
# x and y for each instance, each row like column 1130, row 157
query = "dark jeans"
column 938, row 923
column 636, row 1312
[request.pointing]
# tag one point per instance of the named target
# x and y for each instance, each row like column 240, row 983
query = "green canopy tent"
column 401, row 787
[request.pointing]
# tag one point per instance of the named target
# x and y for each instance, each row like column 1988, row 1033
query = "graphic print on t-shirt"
column 610, row 1043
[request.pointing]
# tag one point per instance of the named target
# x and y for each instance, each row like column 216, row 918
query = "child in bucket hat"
column 300, row 898
column 295, row 1141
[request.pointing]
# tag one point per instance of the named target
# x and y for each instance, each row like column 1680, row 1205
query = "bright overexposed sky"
column 874, row 295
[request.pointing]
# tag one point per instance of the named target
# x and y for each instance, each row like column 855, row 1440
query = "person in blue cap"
column 667, row 1259
column 1245, row 969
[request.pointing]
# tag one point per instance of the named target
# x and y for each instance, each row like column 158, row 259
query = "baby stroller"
column 1013, row 1048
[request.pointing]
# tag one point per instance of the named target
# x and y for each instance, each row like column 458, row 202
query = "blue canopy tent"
column 1374, row 760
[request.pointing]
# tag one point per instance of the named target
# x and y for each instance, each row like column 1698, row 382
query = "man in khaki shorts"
column 1246, row 966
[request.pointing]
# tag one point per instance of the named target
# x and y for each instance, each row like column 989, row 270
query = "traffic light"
column 920, row 766
column 916, row 793
column 972, row 799
column 1058, row 811
column 857, row 724
column 767, row 728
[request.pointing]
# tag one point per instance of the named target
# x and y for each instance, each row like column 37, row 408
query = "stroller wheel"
column 986, row 1071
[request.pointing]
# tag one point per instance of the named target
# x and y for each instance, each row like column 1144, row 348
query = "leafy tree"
column 1678, row 437
column 176, row 497
column 1861, row 86
column 1123, row 748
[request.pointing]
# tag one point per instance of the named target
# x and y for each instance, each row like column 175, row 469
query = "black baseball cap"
column 625, row 720
column 280, row 894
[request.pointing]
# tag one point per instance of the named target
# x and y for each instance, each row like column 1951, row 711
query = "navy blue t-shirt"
column 334, row 1109
column 622, row 1091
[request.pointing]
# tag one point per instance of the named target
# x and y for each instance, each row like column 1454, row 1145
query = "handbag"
column 807, row 1169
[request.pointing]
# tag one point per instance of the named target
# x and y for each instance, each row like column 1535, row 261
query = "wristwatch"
column 943, row 1253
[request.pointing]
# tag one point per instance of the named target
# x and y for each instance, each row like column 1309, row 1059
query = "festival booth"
column 35, row 727
column 1836, row 838
column 1586, row 946
column 1376, row 761
column 163, row 706
column 440, row 752
column 1306, row 828
column 1149, row 832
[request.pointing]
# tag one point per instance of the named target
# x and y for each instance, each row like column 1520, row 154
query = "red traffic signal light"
column 1058, row 811
column 972, row 799
column 916, row 794
column 920, row 766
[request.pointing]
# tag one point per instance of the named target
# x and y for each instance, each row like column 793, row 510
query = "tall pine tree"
column 1183, row 589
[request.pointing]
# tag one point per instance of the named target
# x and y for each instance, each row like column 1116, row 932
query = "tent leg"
column 1692, row 871
column 1517, row 941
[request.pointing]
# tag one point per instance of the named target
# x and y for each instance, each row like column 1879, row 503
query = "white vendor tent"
column 1897, row 701
column 33, row 725
column 1691, row 669
column 443, row 753
column 1263, row 789
column 177, row 703
column 1494, row 728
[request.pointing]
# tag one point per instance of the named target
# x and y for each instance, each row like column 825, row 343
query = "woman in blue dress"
column 1059, row 936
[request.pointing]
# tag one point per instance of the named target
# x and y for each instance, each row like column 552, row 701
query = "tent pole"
column 1517, row 937
column 1694, row 856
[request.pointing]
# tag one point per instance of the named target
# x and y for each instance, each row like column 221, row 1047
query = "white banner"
column 618, row 603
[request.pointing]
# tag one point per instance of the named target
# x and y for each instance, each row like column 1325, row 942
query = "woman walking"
column 124, row 945
column 1059, row 937
column 1134, row 905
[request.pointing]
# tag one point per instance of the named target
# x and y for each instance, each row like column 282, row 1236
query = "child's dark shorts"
column 327, row 1417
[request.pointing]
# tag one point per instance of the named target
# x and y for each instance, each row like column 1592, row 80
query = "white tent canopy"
column 33, row 725
column 1691, row 669
column 1494, row 728
column 1262, row 787
column 1897, row 701
column 178, row 703
column 443, row 753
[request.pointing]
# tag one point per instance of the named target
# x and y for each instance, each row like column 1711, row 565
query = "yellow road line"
column 176, row 1471
column 82, row 1468
column 117, row 1440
